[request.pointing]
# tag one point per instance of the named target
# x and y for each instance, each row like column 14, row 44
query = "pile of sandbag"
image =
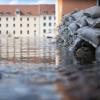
column 76, row 22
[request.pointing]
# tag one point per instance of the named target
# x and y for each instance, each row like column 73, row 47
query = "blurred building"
column 27, row 20
column 66, row 6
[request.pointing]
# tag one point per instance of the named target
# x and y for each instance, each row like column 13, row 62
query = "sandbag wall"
column 76, row 22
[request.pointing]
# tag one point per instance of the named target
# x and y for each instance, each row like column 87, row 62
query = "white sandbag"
column 92, row 11
column 73, row 27
column 77, row 15
column 90, row 21
column 71, row 13
column 89, row 34
column 97, row 23
column 82, row 22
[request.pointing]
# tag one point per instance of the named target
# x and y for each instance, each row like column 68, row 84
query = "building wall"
column 19, row 25
column 66, row 6
column 47, row 24
column 27, row 20
column 33, row 24
column 69, row 5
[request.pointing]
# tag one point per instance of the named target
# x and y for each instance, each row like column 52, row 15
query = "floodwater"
column 28, row 72
column 27, row 69
column 27, row 49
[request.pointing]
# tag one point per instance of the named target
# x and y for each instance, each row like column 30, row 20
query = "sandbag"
column 73, row 27
column 89, row 34
column 73, row 24
column 97, row 23
column 82, row 22
column 93, row 12
column 90, row 21
column 77, row 15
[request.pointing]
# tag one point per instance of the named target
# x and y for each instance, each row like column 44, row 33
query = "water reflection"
column 27, row 49
column 27, row 72
column 28, row 65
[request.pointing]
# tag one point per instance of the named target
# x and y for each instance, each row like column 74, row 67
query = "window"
column 44, row 24
column 44, row 18
column 0, row 19
column 18, row 11
column 54, row 17
column 21, row 32
column 50, row 30
column 14, row 32
column 50, row 17
column 7, row 19
column 34, row 25
column 28, row 32
column 27, row 19
column 29, row 13
column 20, row 25
column 1, row 13
column 0, row 25
column 54, row 12
column 8, row 13
column 49, row 24
column 6, row 25
column 13, row 25
column 13, row 18
column 34, row 19
column 45, row 12
column 20, row 19
column 44, row 31
column 6, row 32
column 34, row 32
column 0, row 32
column 27, row 25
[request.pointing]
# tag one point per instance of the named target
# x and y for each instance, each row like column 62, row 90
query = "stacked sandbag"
column 63, row 29
column 78, row 20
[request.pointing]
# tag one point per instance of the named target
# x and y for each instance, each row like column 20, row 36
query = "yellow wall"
column 59, row 10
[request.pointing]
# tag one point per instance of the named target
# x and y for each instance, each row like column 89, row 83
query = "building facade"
column 27, row 20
